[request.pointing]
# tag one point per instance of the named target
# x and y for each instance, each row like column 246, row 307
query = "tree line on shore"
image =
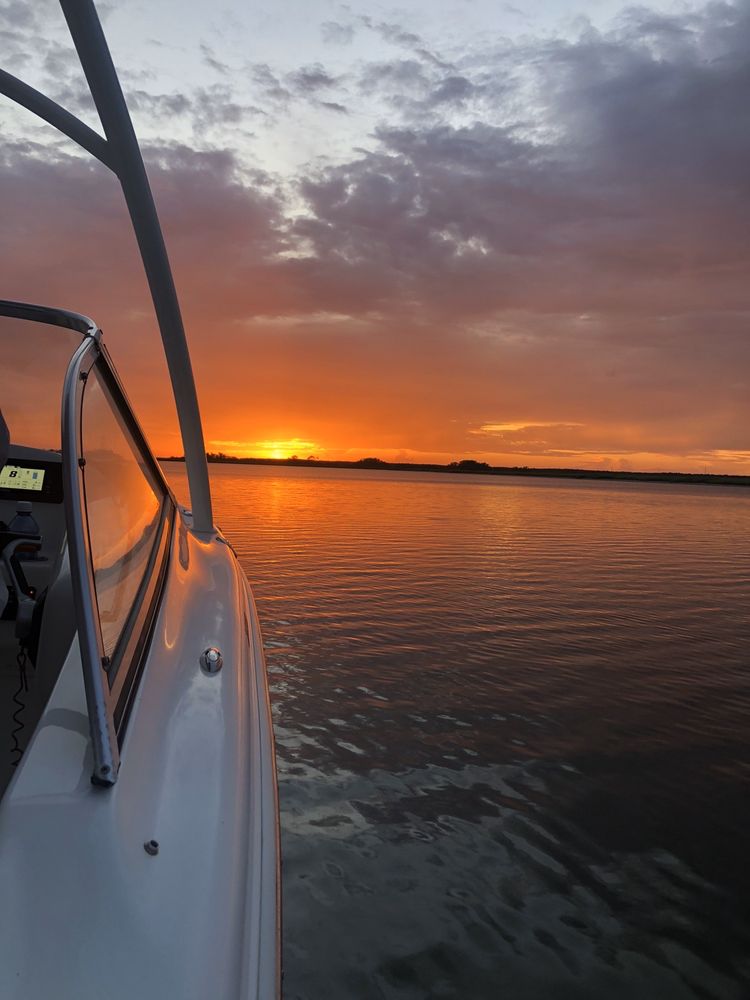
column 472, row 466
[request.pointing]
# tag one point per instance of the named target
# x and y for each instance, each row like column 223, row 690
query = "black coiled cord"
column 23, row 689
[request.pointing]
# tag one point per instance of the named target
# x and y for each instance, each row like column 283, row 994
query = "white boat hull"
column 87, row 911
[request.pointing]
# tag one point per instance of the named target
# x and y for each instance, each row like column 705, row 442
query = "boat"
column 139, row 831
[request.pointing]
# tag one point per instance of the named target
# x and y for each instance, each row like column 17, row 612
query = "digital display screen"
column 13, row 477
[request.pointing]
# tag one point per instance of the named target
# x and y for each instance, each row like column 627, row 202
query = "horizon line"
column 473, row 466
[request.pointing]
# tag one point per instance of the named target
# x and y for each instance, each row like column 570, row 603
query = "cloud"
column 395, row 34
column 20, row 24
column 453, row 90
column 397, row 79
column 541, row 251
column 594, row 237
column 521, row 426
column 159, row 105
column 311, row 78
column 269, row 85
column 66, row 241
column 215, row 106
column 334, row 106
column 18, row 15
column 210, row 59
column 335, row 33
column 636, row 204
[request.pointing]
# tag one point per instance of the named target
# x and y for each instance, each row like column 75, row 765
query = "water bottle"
column 24, row 522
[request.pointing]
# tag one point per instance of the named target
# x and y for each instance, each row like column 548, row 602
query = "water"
column 511, row 720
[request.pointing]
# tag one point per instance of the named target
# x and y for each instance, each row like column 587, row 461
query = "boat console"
column 35, row 596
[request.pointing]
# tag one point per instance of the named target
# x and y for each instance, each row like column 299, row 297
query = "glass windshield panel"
column 123, row 505
column 35, row 358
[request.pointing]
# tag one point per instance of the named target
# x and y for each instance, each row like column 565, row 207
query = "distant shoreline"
column 469, row 467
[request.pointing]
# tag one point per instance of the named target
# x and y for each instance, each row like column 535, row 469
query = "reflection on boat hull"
column 198, row 918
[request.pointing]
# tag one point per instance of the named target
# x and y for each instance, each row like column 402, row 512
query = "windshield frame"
column 109, row 691
column 50, row 315
column 109, row 686
column 101, row 718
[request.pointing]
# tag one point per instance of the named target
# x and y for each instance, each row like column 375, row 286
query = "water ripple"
column 511, row 724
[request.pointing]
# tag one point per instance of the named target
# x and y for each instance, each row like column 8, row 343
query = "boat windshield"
column 124, row 504
column 33, row 553
column 72, row 458
column 34, row 358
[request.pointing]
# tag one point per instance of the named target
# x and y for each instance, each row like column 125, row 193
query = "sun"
column 279, row 449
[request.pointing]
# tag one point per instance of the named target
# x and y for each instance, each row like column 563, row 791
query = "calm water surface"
column 511, row 720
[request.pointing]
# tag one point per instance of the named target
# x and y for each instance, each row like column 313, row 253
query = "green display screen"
column 13, row 477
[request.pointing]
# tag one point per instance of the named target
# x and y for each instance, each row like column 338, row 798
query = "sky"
column 427, row 232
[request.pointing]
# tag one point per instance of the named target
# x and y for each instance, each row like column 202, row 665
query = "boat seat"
column 52, row 631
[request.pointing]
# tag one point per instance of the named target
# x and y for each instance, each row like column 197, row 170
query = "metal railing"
column 120, row 152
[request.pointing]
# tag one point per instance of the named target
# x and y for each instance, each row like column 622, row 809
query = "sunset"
column 515, row 236
column 374, row 485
